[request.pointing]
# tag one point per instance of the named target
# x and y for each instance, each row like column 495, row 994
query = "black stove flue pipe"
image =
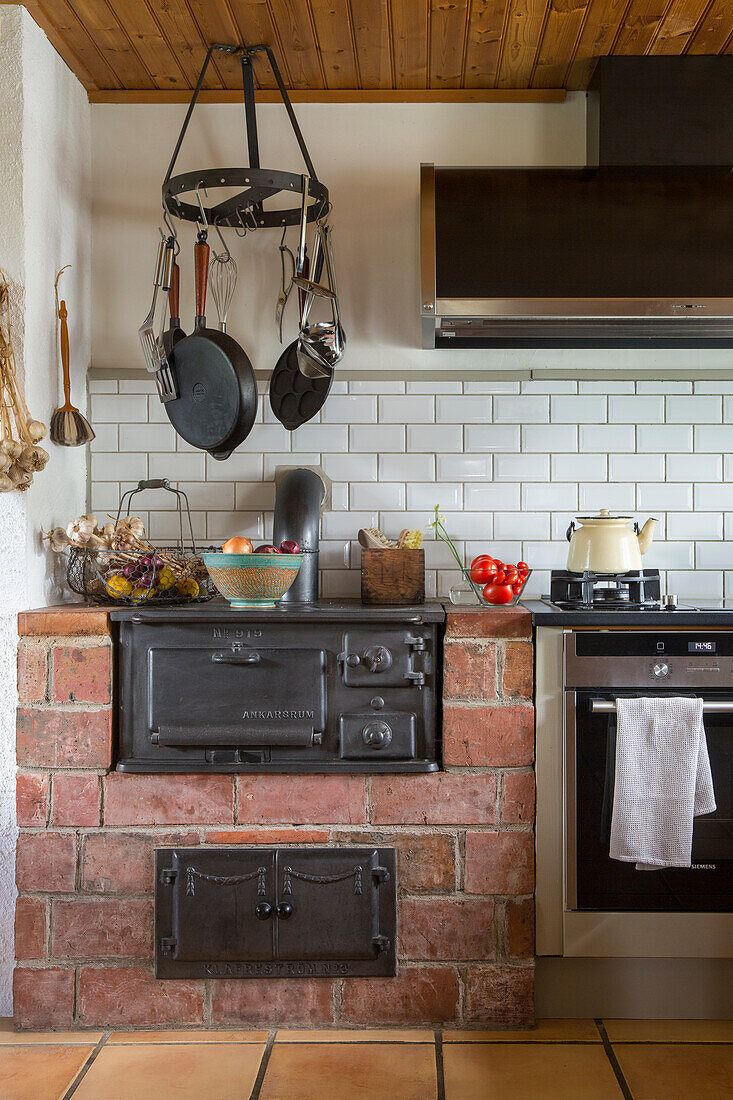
column 298, row 502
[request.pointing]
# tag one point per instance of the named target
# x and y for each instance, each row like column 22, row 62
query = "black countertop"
column 218, row 610
column 711, row 614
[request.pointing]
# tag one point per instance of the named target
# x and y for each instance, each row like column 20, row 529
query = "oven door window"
column 594, row 880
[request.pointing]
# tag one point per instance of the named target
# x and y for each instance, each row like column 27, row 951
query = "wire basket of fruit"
column 117, row 563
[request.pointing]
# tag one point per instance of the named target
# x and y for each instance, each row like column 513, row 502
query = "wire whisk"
column 222, row 280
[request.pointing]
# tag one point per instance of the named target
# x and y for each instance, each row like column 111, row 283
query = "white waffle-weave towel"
column 662, row 781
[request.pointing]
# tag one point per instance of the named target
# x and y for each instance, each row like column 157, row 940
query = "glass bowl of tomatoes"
column 495, row 582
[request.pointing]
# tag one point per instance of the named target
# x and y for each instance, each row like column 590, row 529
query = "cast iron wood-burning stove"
column 278, row 913
column 326, row 687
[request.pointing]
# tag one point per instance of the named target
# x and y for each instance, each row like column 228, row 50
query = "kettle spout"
column 646, row 535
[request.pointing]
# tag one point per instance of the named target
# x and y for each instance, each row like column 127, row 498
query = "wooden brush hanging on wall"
column 69, row 428
column 20, row 435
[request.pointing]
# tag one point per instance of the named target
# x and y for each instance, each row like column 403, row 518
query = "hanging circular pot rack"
column 244, row 210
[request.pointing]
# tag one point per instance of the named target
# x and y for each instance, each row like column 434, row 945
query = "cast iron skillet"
column 217, row 401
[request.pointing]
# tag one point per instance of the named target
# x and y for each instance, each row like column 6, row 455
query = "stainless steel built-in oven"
column 600, row 667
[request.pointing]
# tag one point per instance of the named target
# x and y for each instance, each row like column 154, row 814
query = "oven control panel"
column 682, row 659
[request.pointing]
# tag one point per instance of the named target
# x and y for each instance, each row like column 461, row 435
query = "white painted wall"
column 369, row 157
column 44, row 224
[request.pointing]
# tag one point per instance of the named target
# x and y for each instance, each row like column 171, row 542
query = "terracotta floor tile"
column 315, row 1071
column 39, row 1072
column 547, row 1031
column 8, row 1035
column 172, row 1072
column 188, row 1037
column 677, row 1071
column 491, row 1071
column 669, row 1031
column 373, row 1035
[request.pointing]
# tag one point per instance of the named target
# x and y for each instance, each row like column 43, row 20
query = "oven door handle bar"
column 236, row 657
column 299, row 736
column 709, row 706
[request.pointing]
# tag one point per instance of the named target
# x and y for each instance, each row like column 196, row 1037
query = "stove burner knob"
column 377, row 735
column 284, row 910
column 377, row 659
column 263, row 910
column 661, row 668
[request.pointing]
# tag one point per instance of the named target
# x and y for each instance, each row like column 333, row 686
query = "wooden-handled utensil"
column 69, row 428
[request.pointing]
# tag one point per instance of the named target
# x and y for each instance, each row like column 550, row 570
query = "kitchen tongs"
column 151, row 330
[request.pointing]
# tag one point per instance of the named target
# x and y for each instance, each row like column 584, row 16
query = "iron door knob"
column 661, row 668
column 353, row 660
column 377, row 659
column 263, row 910
column 377, row 735
column 284, row 910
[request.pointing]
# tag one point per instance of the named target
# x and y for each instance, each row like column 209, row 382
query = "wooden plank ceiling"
column 371, row 49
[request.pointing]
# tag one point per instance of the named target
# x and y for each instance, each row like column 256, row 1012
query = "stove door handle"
column 236, row 657
column 709, row 706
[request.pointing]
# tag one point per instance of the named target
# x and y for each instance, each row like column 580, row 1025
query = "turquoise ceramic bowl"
column 253, row 580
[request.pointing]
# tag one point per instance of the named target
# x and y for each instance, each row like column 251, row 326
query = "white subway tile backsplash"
column 551, row 497
column 612, row 438
column 427, row 495
column 521, row 525
column 617, row 498
column 694, row 410
column 464, row 467
column 492, row 496
column 522, row 410
column 464, row 410
column 694, row 468
column 643, row 467
column 356, row 467
column 377, row 496
column 111, row 408
column 509, row 486
column 375, row 439
column 635, row 410
column 714, row 437
column 572, row 467
column 710, row 497
column 578, row 409
column 695, row 525
column 434, row 437
column 350, row 410
column 106, row 467
column 404, row 467
column 410, row 409
column 660, row 438
column 551, row 437
column 494, row 438
column 522, row 467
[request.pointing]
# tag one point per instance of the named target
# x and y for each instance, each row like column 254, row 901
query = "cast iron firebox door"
column 286, row 912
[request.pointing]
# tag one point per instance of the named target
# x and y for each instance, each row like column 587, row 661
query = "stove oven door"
column 594, row 881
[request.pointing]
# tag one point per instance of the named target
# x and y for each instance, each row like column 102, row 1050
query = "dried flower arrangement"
column 20, row 457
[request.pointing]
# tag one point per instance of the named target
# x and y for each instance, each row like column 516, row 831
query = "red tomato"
column 517, row 588
column 522, row 565
column 498, row 593
column 480, row 573
column 498, row 564
column 511, row 573
column 500, row 577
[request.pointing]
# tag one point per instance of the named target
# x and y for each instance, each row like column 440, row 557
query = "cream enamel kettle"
column 605, row 544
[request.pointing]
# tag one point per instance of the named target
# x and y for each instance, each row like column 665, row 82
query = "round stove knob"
column 661, row 668
column 377, row 735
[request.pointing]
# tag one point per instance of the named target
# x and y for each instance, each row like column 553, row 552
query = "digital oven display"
column 701, row 647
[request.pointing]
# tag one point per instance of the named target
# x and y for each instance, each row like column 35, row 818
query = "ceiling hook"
column 226, row 255
column 243, row 233
column 204, row 222
column 173, row 235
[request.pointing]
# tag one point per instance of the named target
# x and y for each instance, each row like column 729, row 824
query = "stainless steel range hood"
column 618, row 254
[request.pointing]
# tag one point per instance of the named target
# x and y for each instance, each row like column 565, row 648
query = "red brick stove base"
column 464, row 837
